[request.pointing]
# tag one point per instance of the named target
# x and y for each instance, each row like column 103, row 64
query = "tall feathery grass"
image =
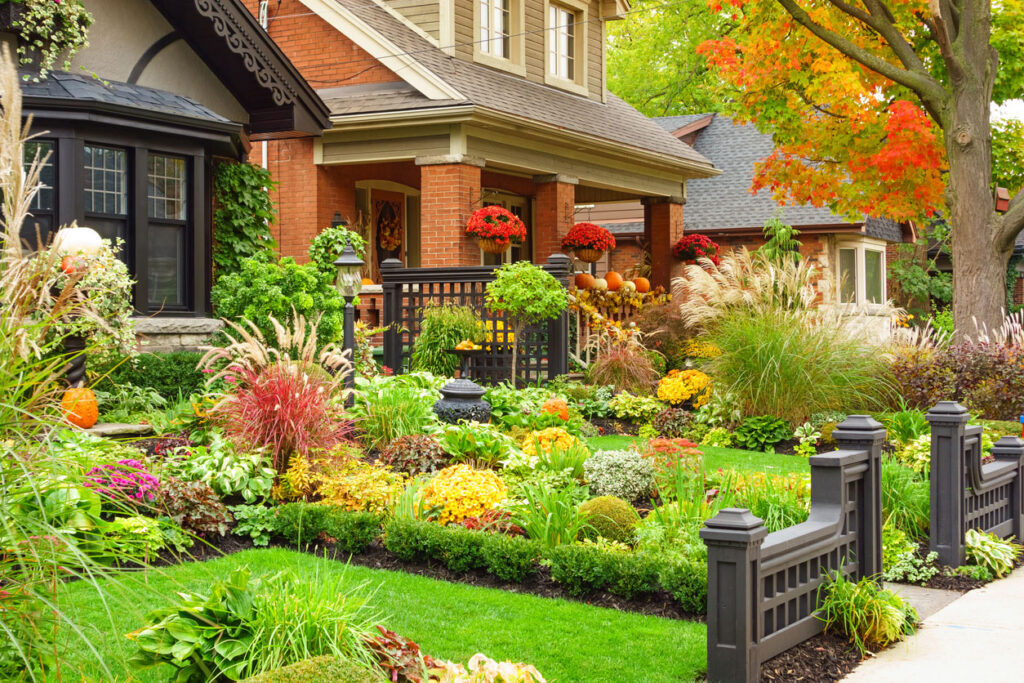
column 783, row 353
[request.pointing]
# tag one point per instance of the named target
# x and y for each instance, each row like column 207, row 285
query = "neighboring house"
column 439, row 107
column 164, row 88
column 724, row 209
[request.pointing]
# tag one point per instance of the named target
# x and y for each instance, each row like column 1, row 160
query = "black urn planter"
column 461, row 399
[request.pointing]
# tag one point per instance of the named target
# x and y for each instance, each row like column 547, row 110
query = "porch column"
column 663, row 225
column 555, row 213
column 449, row 193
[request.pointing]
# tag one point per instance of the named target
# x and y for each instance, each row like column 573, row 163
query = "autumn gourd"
column 556, row 406
column 600, row 283
column 628, row 286
column 79, row 407
column 614, row 280
column 643, row 285
column 584, row 281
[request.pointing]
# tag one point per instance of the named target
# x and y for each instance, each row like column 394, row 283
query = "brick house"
column 438, row 107
column 724, row 209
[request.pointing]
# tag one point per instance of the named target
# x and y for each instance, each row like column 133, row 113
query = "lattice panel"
column 790, row 594
column 987, row 510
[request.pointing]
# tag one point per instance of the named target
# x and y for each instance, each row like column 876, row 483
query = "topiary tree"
column 611, row 518
column 527, row 295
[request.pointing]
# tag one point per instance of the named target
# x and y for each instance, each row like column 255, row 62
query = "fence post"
column 863, row 433
column 1011, row 448
column 392, row 319
column 560, row 267
column 948, row 420
column 733, row 538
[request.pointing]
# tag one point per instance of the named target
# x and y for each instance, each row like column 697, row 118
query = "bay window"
column 861, row 274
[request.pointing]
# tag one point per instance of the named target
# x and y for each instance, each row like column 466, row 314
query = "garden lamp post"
column 350, row 281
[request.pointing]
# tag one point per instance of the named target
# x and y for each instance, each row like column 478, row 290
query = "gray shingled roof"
column 725, row 202
column 485, row 87
column 60, row 85
column 674, row 123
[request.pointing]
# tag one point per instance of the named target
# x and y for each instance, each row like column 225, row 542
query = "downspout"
column 262, row 17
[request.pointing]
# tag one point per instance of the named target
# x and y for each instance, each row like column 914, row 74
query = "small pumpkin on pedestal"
column 80, row 407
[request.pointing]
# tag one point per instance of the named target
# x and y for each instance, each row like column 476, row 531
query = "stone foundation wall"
column 175, row 334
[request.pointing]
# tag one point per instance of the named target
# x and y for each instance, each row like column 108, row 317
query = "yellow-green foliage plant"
column 864, row 612
column 460, row 491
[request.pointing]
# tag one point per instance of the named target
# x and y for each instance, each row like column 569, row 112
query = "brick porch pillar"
column 663, row 225
column 449, row 193
column 555, row 213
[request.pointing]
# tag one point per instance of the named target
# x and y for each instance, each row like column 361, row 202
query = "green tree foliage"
column 327, row 246
column 241, row 223
column 653, row 62
column 1008, row 153
column 780, row 241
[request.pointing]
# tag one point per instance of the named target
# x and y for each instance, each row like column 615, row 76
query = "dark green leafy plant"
column 583, row 569
column 415, row 454
column 480, row 444
column 243, row 217
column 194, row 506
column 762, row 432
column 443, row 327
column 327, row 246
column 780, row 241
column 869, row 616
column 906, row 499
column 258, row 522
column 171, row 375
column 304, row 523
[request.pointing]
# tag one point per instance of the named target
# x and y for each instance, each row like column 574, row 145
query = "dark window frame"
column 52, row 212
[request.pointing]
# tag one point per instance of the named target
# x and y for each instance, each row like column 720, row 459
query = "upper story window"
column 495, row 28
column 562, row 44
column 861, row 274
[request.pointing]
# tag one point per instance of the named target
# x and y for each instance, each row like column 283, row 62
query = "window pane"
column 167, row 186
column 106, row 180
column 166, row 266
column 873, row 276
column 848, row 276
column 43, row 201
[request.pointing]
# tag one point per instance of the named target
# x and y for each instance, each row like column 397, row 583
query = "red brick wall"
column 295, row 195
column 448, row 195
column 1018, row 291
column 625, row 256
column 508, row 183
column 555, row 215
column 664, row 223
column 323, row 54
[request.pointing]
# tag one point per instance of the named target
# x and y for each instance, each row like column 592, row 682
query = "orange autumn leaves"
column 846, row 137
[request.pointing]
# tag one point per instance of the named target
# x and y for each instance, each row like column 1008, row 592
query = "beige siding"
column 464, row 36
column 535, row 23
column 595, row 52
column 423, row 13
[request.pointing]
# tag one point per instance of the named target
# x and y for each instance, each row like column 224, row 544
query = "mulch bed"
column 612, row 426
column 824, row 657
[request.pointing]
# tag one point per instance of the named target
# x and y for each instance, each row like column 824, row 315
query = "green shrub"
column 444, row 326
column 584, row 569
column 687, row 580
column 510, row 558
column 171, row 374
column 762, row 432
column 263, row 288
column 621, row 473
column 245, row 212
column 611, row 518
column 325, row 669
column 352, row 532
column 868, row 615
column 328, row 244
column 906, row 499
column 658, row 361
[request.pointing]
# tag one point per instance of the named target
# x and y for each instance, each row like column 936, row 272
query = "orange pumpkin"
column 556, row 406
column 79, row 406
column 614, row 280
column 643, row 285
column 367, row 281
column 584, row 281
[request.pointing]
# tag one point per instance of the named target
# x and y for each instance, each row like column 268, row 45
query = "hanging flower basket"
column 691, row 248
column 496, row 229
column 492, row 246
column 589, row 255
column 588, row 241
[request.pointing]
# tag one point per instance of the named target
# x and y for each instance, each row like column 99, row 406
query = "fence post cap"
column 1008, row 448
column 948, row 411
column 859, row 428
column 734, row 524
column 390, row 264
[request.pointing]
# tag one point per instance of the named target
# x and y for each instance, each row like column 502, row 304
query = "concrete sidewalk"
column 978, row 637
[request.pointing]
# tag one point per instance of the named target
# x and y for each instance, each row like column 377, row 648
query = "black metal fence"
column 762, row 588
column 543, row 349
column 965, row 494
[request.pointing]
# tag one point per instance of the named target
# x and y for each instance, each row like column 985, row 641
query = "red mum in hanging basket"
column 689, row 248
column 588, row 236
column 497, row 225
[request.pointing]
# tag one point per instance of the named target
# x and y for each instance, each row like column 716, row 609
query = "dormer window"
column 562, row 45
column 495, row 27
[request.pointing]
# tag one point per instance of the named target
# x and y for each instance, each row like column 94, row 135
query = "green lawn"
column 566, row 641
column 721, row 457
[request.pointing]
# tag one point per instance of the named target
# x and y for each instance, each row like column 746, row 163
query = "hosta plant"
column 761, row 433
column 988, row 550
column 227, row 471
column 258, row 522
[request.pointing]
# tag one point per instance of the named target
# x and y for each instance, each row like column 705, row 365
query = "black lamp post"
column 350, row 281
column 338, row 221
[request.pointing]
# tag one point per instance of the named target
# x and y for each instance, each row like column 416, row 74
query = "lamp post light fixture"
column 349, row 283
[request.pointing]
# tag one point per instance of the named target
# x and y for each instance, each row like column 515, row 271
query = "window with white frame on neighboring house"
column 562, row 42
column 495, row 21
column 861, row 273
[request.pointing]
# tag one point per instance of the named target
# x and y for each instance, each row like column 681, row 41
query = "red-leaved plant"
column 285, row 410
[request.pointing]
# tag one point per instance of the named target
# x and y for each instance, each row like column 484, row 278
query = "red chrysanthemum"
column 496, row 223
column 588, row 236
column 693, row 247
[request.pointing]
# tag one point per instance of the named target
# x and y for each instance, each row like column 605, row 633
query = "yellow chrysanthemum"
column 680, row 386
column 460, row 492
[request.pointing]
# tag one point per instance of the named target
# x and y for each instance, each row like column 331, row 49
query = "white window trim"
column 516, row 61
column 860, row 290
column 579, row 83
